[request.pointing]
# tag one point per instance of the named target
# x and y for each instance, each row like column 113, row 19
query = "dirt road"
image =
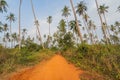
column 57, row 68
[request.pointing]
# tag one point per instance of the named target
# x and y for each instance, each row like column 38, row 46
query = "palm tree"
column 14, row 36
column 5, row 29
column 49, row 20
column 3, row 6
column 103, row 10
column 37, row 24
column 10, row 18
column 7, row 37
column 19, row 25
column 24, row 32
column 73, row 27
column 75, row 16
column 66, row 13
column 81, row 10
column 103, row 28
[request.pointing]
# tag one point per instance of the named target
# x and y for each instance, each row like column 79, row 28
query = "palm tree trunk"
column 75, row 16
column 36, row 23
column 19, row 36
column 103, row 29
column 49, row 36
column 5, row 41
column 10, row 35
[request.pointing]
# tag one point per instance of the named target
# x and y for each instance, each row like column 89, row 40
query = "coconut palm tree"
column 77, row 24
column 102, row 27
column 5, row 29
column 81, row 10
column 24, row 32
column 3, row 6
column 73, row 27
column 10, row 18
column 7, row 38
column 19, row 25
column 66, row 13
column 104, row 9
column 49, row 20
column 14, row 37
column 36, row 23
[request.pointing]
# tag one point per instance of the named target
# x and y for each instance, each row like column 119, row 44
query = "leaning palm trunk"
column 37, row 24
column 77, row 25
column 19, row 36
column 103, row 29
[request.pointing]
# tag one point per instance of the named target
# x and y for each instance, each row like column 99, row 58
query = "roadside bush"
column 104, row 59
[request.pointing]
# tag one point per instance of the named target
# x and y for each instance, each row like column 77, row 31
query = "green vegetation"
column 99, row 58
column 76, row 39
column 13, row 59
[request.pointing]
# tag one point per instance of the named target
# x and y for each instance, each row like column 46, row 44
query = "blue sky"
column 45, row 8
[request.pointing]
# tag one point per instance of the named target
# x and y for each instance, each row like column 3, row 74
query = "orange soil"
column 56, row 68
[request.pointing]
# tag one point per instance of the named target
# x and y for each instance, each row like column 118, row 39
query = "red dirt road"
column 57, row 68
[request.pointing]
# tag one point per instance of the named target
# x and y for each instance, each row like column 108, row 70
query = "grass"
column 102, row 62
column 11, row 59
column 103, row 59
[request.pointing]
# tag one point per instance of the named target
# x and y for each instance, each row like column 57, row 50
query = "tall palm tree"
column 73, row 27
column 81, row 10
column 5, row 29
column 66, row 13
column 7, row 37
column 103, row 10
column 14, row 36
column 102, row 27
column 10, row 18
column 36, row 23
column 49, row 20
column 75, row 16
column 3, row 6
column 19, row 25
column 24, row 32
